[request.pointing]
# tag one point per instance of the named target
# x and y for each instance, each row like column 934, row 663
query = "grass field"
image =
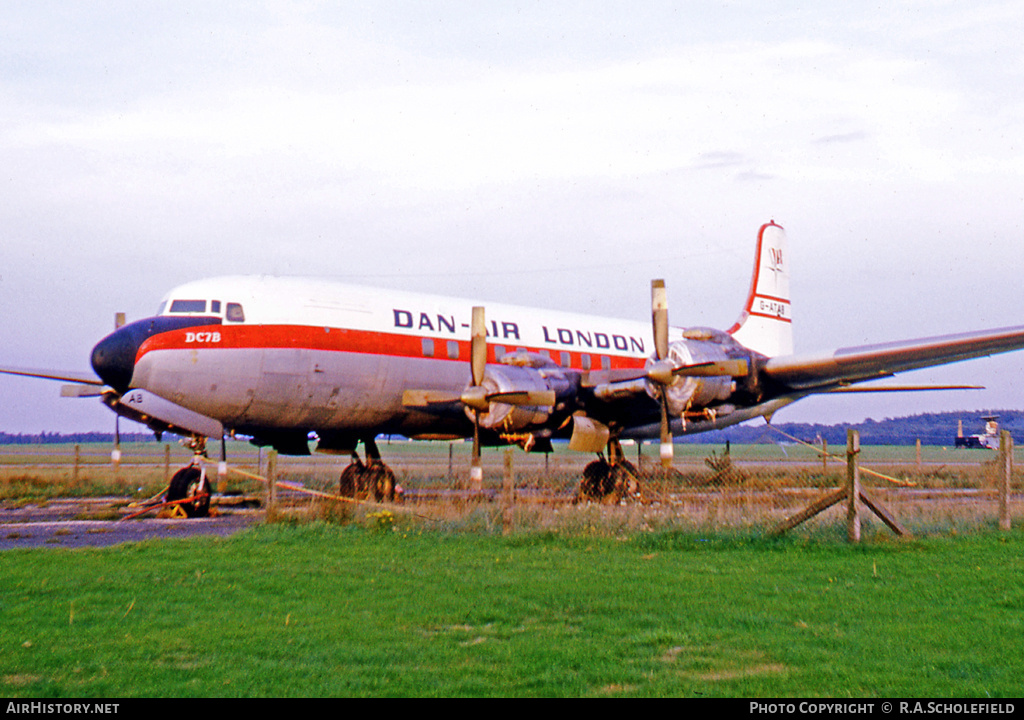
column 386, row 607
column 683, row 596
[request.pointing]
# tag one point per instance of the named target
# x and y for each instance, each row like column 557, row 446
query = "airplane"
column 282, row 359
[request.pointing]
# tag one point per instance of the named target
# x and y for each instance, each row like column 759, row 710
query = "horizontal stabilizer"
column 905, row 388
column 867, row 362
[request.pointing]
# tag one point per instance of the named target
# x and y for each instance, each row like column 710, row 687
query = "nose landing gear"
column 191, row 485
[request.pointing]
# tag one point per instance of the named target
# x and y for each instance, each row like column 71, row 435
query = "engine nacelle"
column 688, row 392
column 512, row 378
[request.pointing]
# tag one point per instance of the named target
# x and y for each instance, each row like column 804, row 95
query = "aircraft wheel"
column 382, row 482
column 350, row 480
column 186, row 483
column 597, row 481
column 625, row 480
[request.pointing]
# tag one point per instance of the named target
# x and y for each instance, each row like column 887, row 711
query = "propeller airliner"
column 282, row 359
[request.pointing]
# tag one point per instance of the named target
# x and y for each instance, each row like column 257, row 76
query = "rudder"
column 766, row 323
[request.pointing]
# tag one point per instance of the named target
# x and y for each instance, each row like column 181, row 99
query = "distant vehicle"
column 988, row 441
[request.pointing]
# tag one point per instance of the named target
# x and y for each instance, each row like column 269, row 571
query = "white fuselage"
column 299, row 353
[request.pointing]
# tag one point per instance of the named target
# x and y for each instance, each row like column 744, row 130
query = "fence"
column 926, row 489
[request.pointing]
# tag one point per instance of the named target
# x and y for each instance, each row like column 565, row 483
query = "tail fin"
column 766, row 323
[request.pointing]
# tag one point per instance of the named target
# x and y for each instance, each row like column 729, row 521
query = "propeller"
column 661, row 373
column 475, row 395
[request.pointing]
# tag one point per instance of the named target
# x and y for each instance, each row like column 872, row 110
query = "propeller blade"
column 115, row 453
column 666, row 450
column 474, row 396
column 659, row 318
column 476, row 471
column 661, row 372
column 538, row 398
column 714, row 368
column 80, row 391
column 478, row 345
column 426, row 398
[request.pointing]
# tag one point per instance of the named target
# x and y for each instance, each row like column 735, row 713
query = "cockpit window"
column 215, row 306
column 188, row 306
column 235, row 313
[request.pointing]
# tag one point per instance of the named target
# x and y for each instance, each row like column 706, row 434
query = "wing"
column 76, row 377
column 867, row 362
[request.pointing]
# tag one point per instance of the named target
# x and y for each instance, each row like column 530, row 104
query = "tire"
column 382, row 482
column 350, row 480
column 186, row 483
column 597, row 481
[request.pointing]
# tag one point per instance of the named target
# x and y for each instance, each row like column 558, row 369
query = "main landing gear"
column 612, row 480
column 361, row 480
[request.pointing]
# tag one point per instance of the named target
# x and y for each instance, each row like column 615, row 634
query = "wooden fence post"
column 507, row 495
column 167, row 464
column 271, row 480
column 824, row 456
column 78, row 460
column 1003, row 481
column 852, row 486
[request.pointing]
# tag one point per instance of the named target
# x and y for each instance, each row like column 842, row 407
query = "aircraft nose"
column 113, row 358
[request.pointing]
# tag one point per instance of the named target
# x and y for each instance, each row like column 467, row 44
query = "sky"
column 552, row 154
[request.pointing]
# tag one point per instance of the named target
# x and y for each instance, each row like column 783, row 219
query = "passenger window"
column 428, row 347
column 188, row 306
column 235, row 313
column 453, row 349
column 606, row 362
column 585, row 361
column 566, row 359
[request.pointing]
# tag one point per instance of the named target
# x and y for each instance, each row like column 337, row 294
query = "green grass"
column 386, row 608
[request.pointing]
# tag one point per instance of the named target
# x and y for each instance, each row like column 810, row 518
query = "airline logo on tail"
column 765, row 325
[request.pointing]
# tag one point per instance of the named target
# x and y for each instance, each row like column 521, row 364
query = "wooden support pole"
column 852, row 493
column 852, row 486
column 824, row 456
column 167, row 464
column 918, row 455
column 1003, row 481
column 78, row 460
column 883, row 514
column 271, row 480
column 810, row 511
column 508, row 495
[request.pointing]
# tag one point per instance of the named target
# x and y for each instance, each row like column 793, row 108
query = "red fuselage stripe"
column 304, row 337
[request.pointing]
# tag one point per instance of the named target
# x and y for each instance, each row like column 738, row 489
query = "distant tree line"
column 44, row 438
column 931, row 428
